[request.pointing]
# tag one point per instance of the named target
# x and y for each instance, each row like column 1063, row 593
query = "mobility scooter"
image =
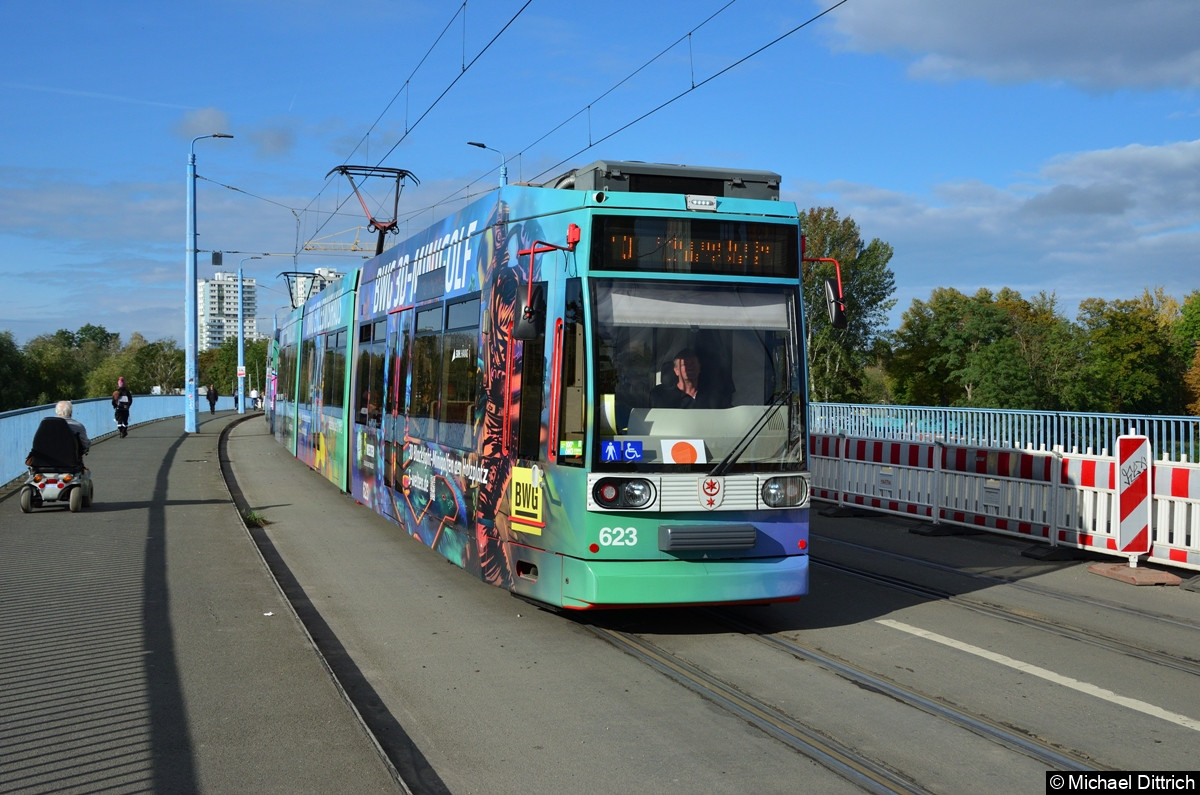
column 56, row 470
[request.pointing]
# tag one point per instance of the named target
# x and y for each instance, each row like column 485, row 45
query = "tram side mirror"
column 834, row 304
column 531, row 319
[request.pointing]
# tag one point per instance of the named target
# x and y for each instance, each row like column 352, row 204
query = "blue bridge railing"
column 96, row 414
column 1174, row 438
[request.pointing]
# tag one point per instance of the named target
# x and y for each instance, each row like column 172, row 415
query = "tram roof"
column 635, row 176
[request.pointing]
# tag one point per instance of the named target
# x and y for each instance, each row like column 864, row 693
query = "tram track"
column 839, row 757
column 1024, row 618
column 992, row 579
column 843, row 758
column 855, row 767
column 977, row 724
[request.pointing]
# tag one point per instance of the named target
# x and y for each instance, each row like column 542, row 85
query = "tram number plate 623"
column 618, row 536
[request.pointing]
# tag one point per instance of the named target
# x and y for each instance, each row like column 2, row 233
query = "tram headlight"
column 785, row 492
column 637, row 493
column 623, row 493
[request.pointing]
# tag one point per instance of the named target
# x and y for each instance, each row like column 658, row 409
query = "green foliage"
column 1185, row 334
column 920, row 366
column 83, row 364
column 1130, row 364
column 1191, row 382
column 13, row 384
column 55, row 369
column 839, row 358
column 1003, row 351
column 219, row 366
column 158, row 364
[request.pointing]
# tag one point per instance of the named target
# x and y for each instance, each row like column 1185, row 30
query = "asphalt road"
column 473, row 690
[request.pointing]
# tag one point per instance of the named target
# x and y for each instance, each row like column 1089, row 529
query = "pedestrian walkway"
column 144, row 646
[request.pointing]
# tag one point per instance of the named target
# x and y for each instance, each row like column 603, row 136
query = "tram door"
column 367, row 411
column 567, row 430
column 533, row 378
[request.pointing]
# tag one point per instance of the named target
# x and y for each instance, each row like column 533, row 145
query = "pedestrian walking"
column 212, row 399
column 122, row 401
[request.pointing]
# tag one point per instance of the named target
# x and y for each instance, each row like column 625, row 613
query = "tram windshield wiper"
column 744, row 443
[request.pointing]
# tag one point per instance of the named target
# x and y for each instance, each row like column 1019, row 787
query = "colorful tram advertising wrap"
column 589, row 392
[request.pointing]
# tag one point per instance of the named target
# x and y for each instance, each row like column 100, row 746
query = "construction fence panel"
column 1068, row 499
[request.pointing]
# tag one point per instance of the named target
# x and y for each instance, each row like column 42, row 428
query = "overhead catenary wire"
column 465, row 68
column 403, row 87
column 591, row 144
column 461, row 195
column 464, row 193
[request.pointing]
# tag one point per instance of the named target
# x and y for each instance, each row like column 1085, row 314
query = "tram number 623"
column 618, row 536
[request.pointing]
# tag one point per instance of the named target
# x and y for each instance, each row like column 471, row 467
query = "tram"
column 590, row 392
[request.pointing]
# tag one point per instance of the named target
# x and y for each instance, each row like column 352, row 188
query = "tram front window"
column 689, row 375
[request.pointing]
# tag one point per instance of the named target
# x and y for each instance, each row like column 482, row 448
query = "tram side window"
column 308, row 349
column 333, row 375
column 423, row 408
column 398, row 388
column 285, row 385
column 459, row 374
column 369, row 374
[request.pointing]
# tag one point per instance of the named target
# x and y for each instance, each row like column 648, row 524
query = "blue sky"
column 994, row 143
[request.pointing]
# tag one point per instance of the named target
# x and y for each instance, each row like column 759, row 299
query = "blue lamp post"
column 241, row 371
column 189, row 292
column 503, row 162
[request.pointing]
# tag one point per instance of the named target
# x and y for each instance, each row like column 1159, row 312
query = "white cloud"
column 204, row 121
column 1096, row 44
column 1102, row 224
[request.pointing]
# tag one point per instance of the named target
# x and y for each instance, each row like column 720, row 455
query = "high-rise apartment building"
column 306, row 285
column 217, row 306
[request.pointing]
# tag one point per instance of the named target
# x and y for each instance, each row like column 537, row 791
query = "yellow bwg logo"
column 525, row 497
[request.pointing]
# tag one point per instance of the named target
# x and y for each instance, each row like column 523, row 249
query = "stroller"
column 56, row 470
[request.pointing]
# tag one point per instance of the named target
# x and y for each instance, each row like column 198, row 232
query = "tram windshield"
column 694, row 377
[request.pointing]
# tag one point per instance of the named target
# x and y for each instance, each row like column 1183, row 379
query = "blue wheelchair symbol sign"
column 614, row 451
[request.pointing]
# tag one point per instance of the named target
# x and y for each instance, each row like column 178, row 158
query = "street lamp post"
column 241, row 371
column 189, row 292
column 503, row 162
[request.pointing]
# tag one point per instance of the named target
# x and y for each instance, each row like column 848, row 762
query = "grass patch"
column 254, row 519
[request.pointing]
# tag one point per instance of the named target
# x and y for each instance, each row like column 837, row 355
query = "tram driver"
column 682, row 386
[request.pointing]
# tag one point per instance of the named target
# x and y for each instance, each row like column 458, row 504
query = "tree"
column 1185, row 333
column 921, row 367
column 1130, row 363
column 160, row 364
column 255, row 358
column 838, row 358
column 98, row 335
column 1191, row 382
column 989, row 350
column 14, row 387
column 207, row 370
column 54, row 369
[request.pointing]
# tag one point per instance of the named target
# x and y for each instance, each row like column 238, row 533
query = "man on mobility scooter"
column 56, row 470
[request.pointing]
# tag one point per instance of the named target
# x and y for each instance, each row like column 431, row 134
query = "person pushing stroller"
column 122, row 400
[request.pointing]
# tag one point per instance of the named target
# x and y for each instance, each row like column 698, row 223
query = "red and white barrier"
column 1133, row 460
column 1175, row 529
column 1087, row 503
column 1063, row 498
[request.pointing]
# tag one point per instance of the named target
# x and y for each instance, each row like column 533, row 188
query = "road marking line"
column 1074, row 684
